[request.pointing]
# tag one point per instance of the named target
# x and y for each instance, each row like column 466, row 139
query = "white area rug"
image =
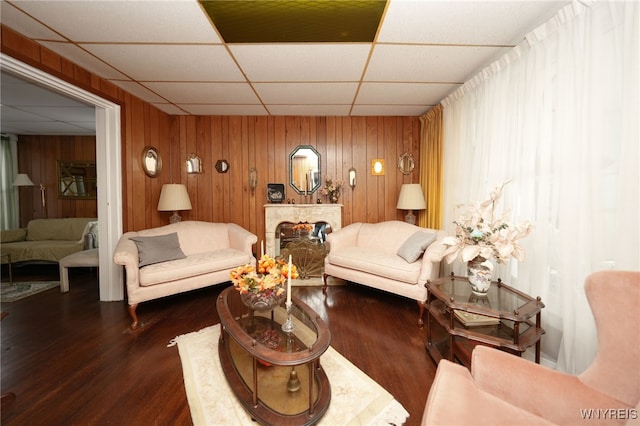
column 355, row 398
column 20, row 290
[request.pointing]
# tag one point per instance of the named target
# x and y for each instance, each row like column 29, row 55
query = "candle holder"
column 288, row 325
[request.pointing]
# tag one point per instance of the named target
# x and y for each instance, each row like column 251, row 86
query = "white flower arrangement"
column 480, row 232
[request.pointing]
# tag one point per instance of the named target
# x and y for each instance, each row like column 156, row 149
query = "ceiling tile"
column 389, row 110
column 224, row 109
column 206, row 93
column 403, row 93
column 170, row 109
column 438, row 64
column 318, row 110
column 175, row 21
column 306, row 93
column 84, row 59
column 464, row 22
column 24, row 24
column 154, row 62
column 302, row 62
column 139, row 90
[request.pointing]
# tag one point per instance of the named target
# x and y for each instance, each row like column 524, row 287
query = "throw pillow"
column 161, row 248
column 415, row 245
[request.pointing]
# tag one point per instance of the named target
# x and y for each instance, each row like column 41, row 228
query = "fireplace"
column 275, row 214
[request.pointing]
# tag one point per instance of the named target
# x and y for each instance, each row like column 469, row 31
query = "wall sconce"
column 174, row 197
column 194, row 164
column 377, row 167
column 411, row 198
column 352, row 178
column 253, row 178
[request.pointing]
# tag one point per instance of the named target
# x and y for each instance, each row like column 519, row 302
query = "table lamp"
column 411, row 198
column 174, row 197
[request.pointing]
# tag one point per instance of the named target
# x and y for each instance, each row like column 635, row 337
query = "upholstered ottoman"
column 84, row 258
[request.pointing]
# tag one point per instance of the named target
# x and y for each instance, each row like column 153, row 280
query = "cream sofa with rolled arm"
column 392, row 256
column 180, row 257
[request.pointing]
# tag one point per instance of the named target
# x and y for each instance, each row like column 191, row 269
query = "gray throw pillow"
column 415, row 245
column 161, row 248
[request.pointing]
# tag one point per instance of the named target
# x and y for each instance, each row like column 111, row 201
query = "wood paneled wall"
column 266, row 143
column 38, row 157
column 245, row 141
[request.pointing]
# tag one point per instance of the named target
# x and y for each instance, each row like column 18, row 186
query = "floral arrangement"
column 330, row 188
column 481, row 232
column 300, row 227
column 270, row 276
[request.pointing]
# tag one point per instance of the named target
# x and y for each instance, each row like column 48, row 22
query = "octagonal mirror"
column 304, row 169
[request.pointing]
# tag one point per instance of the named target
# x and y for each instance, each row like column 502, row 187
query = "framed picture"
column 275, row 192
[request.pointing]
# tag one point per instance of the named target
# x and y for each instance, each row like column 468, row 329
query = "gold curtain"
column 431, row 167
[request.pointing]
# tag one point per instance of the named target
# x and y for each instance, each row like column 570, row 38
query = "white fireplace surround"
column 275, row 214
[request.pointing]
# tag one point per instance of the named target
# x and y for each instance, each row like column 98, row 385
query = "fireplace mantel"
column 275, row 214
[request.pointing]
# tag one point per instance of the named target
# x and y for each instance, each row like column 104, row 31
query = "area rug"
column 356, row 399
column 20, row 290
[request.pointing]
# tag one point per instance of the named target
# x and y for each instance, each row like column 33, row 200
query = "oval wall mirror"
column 151, row 161
column 304, row 169
column 352, row 177
column 406, row 163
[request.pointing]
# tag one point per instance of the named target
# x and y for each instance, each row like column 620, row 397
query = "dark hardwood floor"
column 72, row 360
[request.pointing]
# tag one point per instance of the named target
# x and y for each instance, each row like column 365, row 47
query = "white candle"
column 289, row 282
column 261, row 248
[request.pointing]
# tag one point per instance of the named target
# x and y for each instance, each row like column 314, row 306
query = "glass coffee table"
column 276, row 375
column 458, row 320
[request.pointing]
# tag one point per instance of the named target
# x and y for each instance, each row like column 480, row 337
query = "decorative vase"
column 333, row 198
column 262, row 300
column 479, row 276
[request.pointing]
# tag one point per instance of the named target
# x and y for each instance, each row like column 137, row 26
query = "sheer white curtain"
column 558, row 115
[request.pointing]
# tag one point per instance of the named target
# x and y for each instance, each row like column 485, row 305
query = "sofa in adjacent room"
column 180, row 257
column 392, row 256
column 46, row 240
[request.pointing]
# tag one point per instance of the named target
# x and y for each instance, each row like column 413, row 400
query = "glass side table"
column 458, row 320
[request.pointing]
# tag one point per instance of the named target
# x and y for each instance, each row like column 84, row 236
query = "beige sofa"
column 180, row 257
column 503, row 389
column 392, row 256
column 45, row 240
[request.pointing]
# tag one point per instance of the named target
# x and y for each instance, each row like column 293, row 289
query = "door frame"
column 108, row 168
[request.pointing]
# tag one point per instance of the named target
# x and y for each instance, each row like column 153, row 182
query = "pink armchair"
column 503, row 389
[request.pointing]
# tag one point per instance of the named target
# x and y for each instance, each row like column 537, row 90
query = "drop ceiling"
column 172, row 55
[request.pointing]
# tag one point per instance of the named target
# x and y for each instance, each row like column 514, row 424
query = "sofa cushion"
column 415, row 245
column 157, row 249
column 67, row 229
column 376, row 262
column 193, row 265
column 12, row 235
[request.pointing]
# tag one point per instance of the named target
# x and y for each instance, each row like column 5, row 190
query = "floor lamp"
column 411, row 198
column 174, row 197
column 22, row 179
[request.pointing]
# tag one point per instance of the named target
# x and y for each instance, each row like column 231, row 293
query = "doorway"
column 108, row 168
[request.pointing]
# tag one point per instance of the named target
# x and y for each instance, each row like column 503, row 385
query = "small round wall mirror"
column 406, row 163
column 222, row 166
column 151, row 161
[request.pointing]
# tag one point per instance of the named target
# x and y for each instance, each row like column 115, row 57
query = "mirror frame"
column 148, row 170
column 406, row 163
column 317, row 183
column 72, row 188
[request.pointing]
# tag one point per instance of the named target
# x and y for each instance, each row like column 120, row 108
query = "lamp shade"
column 411, row 197
column 22, row 179
column 174, row 197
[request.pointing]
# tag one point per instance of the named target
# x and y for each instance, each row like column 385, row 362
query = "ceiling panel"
column 170, row 54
